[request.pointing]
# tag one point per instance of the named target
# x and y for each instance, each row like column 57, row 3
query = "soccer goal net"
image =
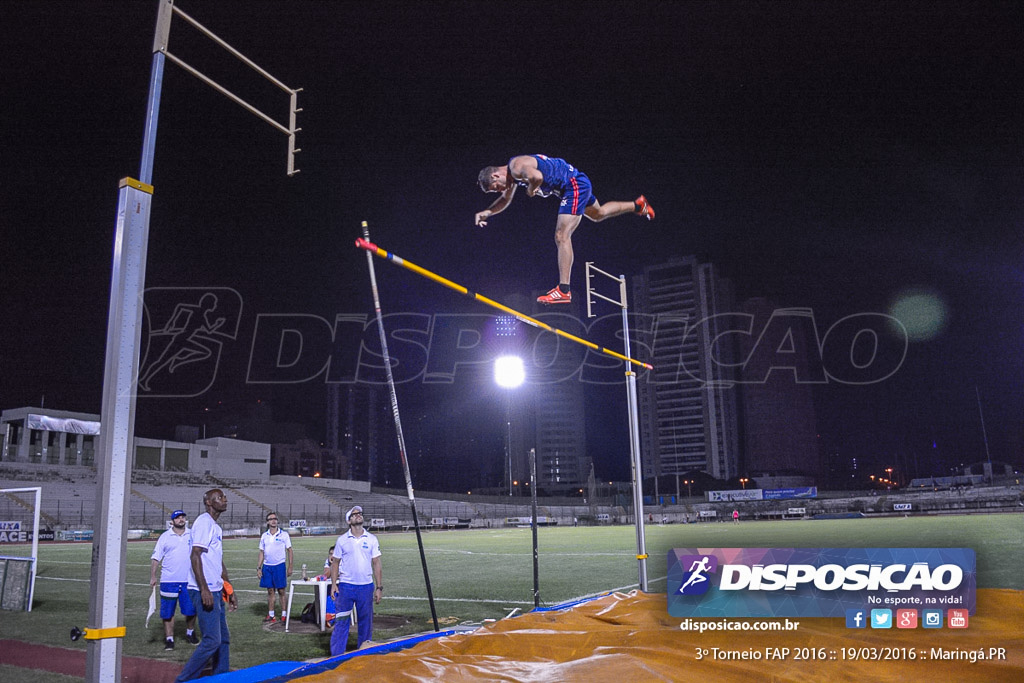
column 19, row 525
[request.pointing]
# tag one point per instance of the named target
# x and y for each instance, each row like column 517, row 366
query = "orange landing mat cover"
column 631, row 637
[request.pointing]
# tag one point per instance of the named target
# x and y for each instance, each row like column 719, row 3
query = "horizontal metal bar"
column 216, row 86
column 602, row 296
column 591, row 266
column 213, row 36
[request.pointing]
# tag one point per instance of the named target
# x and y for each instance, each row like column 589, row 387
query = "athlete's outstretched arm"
column 499, row 205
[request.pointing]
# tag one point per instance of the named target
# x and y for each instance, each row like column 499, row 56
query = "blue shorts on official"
column 274, row 576
column 175, row 593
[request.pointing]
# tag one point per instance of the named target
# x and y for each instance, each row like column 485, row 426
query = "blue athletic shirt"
column 558, row 175
column 564, row 180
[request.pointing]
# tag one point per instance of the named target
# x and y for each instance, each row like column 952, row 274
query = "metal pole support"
column 634, row 417
column 114, row 461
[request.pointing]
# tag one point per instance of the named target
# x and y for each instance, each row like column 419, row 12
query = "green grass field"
column 479, row 574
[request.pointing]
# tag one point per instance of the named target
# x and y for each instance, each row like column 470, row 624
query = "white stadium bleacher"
column 69, row 502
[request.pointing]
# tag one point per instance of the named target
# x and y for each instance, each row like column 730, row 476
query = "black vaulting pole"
column 398, row 425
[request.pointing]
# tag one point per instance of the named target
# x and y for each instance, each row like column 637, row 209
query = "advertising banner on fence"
column 738, row 494
column 11, row 532
column 817, row 582
column 798, row 492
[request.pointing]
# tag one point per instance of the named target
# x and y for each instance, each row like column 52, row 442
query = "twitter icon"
column 881, row 618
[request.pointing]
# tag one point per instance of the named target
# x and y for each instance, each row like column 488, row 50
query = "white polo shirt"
column 174, row 553
column 354, row 555
column 275, row 547
column 206, row 533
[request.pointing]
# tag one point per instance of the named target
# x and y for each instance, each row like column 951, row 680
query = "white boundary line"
column 488, row 601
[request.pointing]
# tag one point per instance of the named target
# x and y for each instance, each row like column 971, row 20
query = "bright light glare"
column 508, row 371
column 923, row 313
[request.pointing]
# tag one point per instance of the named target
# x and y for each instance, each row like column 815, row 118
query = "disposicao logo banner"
column 816, row 582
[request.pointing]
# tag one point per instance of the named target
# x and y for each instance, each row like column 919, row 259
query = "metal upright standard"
column 113, row 466
column 398, row 425
column 634, row 417
column 124, row 324
column 533, row 512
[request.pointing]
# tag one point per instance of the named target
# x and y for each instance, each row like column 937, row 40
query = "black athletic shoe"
column 168, row 645
column 192, row 638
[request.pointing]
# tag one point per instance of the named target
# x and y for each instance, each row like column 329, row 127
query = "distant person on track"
column 355, row 581
column 544, row 176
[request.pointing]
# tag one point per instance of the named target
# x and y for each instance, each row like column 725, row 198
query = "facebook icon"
column 856, row 618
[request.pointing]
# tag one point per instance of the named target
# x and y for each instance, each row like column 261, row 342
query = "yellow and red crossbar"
column 398, row 260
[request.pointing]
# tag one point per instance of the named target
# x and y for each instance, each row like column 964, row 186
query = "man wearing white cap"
column 173, row 555
column 355, row 580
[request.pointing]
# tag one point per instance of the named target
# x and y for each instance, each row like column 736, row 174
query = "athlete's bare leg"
column 564, row 228
column 597, row 211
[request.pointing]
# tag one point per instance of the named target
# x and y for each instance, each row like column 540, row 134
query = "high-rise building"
column 563, row 464
column 687, row 403
column 356, row 415
column 779, row 427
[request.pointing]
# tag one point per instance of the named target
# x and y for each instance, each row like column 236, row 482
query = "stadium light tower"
column 509, row 374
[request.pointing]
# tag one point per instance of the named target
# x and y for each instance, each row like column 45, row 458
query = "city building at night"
column 688, row 402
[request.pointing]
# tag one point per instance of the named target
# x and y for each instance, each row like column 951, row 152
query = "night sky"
column 828, row 156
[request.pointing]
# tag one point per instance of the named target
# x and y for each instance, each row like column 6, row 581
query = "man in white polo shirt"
column 355, row 568
column 205, row 584
column 173, row 554
column 274, row 565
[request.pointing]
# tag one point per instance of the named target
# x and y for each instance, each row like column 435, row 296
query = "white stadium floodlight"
column 509, row 372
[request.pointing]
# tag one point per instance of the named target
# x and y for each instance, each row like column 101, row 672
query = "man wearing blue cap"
column 173, row 551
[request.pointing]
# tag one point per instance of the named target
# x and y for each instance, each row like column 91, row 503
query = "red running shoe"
column 644, row 207
column 555, row 296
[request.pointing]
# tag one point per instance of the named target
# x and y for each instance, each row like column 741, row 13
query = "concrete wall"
column 235, row 459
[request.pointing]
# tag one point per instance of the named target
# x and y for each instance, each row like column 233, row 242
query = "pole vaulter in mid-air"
column 544, row 176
